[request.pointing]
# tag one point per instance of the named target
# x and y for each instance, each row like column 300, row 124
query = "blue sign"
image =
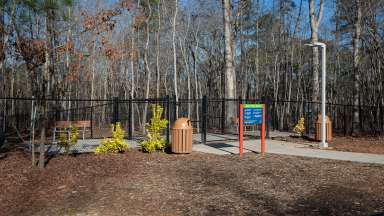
column 253, row 114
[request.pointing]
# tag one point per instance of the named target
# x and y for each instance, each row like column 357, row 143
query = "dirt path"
column 198, row 184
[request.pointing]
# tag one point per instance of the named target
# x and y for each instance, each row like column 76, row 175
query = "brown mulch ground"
column 373, row 145
column 197, row 184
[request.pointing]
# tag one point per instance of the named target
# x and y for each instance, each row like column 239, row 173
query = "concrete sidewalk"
column 219, row 144
column 287, row 148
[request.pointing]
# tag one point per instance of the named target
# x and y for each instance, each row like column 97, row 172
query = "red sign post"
column 252, row 114
column 241, row 147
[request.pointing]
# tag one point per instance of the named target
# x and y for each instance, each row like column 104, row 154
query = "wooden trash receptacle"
column 328, row 126
column 182, row 131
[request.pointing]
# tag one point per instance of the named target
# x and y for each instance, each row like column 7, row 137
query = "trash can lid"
column 182, row 123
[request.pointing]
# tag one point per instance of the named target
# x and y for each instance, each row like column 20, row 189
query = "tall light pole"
column 323, row 143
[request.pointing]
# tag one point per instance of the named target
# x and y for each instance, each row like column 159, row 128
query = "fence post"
column 130, row 118
column 5, row 114
column 115, row 117
column 381, row 119
column 17, row 116
column 306, row 118
column 174, row 108
column 92, row 121
column 57, row 110
column 345, row 119
column 265, row 100
column 204, row 120
column 223, row 116
column 238, row 106
column 273, row 111
column 238, row 114
column 361, row 119
column 75, row 116
column 168, row 117
column 2, row 125
column 302, row 113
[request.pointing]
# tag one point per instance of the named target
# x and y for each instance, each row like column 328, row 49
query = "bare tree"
column 158, row 50
column 2, row 47
column 45, row 89
column 230, row 74
column 146, row 62
column 175, row 56
column 315, row 20
column 356, row 65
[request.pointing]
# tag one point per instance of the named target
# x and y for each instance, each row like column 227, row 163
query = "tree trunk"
column 175, row 58
column 230, row 75
column 133, row 51
column 194, row 56
column 44, row 91
column 186, row 65
column 158, row 52
column 315, row 21
column 2, row 50
column 356, row 63
column 257, row 88
column 93, row 70
column 183, row 49
column 42, row 142
column 147, row 68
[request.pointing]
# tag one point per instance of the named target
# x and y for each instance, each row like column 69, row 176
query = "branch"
column 320, row 15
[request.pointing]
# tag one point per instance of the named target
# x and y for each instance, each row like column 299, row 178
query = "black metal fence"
column 209, row 116
column 285, row 114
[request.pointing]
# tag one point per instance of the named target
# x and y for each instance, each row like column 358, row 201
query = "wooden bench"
column 64, row 127
column 84, row 126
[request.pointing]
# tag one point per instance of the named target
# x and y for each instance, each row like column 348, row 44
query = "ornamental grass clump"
column 300, row 127
column 114, row 145
column 154, row 141
column 68, row 142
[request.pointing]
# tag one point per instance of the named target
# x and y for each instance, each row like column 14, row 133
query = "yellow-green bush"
column 154, row 141
column 114, row 145
column 300, row 127
column 68, row 142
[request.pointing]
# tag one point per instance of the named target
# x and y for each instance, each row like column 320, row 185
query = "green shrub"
column 154, row 141
column 114, row 145
column 68, row 142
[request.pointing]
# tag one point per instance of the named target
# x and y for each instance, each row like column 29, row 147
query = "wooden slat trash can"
column 328, row 126
column 182, row 136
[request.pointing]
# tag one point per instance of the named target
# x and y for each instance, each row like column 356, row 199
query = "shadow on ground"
column 337, row 200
